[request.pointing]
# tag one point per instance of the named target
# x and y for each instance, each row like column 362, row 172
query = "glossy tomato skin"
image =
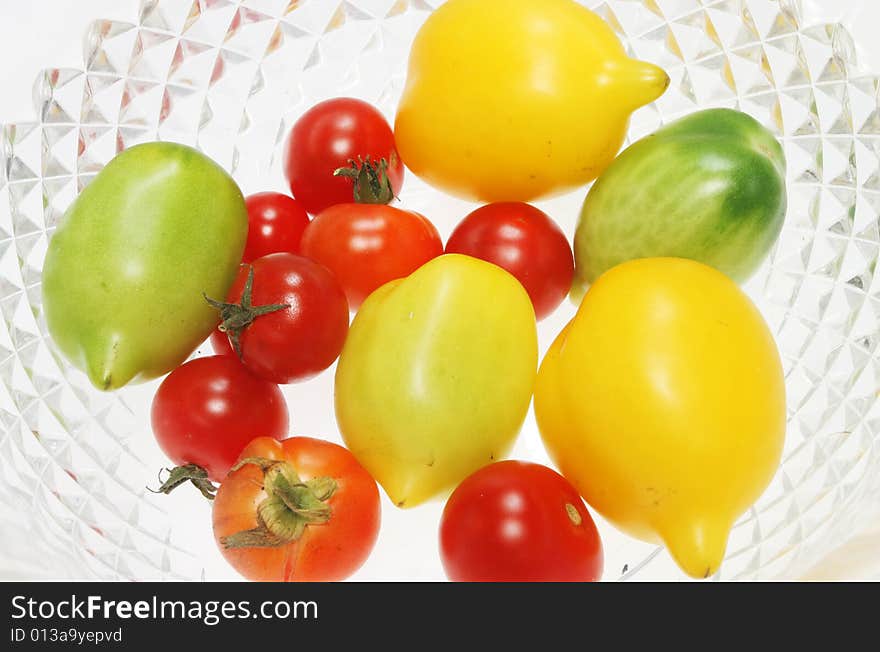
column 527, row 243
column 517, row 100
column 663, row 401
column 326, row 138
column 275, row 224
column 328, row 552
column 207, row 410
column 220, row 343
column 300, row 341
column 368, row 245
column 515, row 522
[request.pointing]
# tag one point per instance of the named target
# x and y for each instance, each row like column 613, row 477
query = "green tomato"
column 709, row 187
column 126, row 270
column 436, row 376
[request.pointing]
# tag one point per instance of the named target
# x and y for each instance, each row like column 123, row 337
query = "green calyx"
column 236, row 317
column 371, row 182
column 290, row 506
column 192, row 473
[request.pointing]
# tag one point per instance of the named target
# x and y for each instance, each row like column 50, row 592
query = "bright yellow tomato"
column 513, row 100
column 436, row 376
column 663, row 402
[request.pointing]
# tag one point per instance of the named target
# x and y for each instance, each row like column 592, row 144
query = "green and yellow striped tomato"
column 709, row 187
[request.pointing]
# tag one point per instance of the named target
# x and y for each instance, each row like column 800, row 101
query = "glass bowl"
column 230, row 77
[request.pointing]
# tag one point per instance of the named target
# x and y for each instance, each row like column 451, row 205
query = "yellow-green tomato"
column 436, row 376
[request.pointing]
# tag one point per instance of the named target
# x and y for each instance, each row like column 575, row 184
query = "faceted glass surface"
column 231, row 76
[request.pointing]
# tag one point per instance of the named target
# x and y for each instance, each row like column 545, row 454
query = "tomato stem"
column 186, row 473
column 371, row 182
column 290, row 506
column 236, row 317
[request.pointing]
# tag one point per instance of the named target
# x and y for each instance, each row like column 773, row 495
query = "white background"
column 38, row 34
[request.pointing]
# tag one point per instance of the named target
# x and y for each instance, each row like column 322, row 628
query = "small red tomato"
column 327, row 137
column 527, row 243
column 275, row 224
column 518, row 522
column 208, row 409
column 367, row 244
column 300, row 510
column 286, row 316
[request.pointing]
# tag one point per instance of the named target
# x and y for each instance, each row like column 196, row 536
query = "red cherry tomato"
column 368, row 245
column 275, row 224
column 518, row 522
column 207, row 410
column 524, row 241
column 291, row 322
column 325, row 139
column 328, row 540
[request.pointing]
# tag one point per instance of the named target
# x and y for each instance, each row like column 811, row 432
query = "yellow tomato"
column 436, row 376
column 513, row 100
column 663, row 402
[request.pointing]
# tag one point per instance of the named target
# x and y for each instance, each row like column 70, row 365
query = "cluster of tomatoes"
column 305, row 509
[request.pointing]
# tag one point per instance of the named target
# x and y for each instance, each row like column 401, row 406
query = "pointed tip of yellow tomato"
column 411, row 488
column 698, row 547
column 643, row 82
